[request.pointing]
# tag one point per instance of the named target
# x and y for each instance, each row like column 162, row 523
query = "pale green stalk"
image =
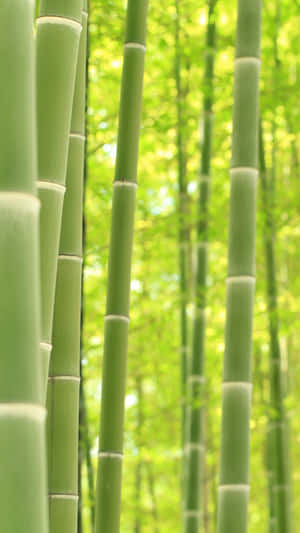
column 236, row 404
column 58, row 33
column 64, row 374
column 108, row 499
column 23, row 485
column 195, row 447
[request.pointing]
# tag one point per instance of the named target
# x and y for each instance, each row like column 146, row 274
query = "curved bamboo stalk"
column 195, row 438
column 280, row 518
column 108, row 498
column 64, row 374
column 236, row 404
column 58, row 33
column 23, row 485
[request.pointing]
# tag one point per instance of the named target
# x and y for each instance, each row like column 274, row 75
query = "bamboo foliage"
column 195, row 438
column 236, row 403
column 64, row 375
column 280, row 518
column 58, row 33
column 108, row 498
column 23, row 502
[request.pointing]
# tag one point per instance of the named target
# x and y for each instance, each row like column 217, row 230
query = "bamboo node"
column 74, row 497
column 193, row 446
column 21, row 200
column 46, row 19
column 248, row 59
column 238, row 279
column 247, row 170
column 75, row 135
column 233, row 488
column 237, row 385
column 123, row 318
column 139, row 46
column 75, row 379
column 23, row 410
column 70, row 257
column 111, row 455
column 124, row 183
column 196, row 378
column 50, row 185
column 46, row 346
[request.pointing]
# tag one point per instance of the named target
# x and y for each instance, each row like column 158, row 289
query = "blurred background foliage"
column 152, row 467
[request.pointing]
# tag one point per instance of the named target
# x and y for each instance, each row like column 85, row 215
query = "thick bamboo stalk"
column 64, row 374
column 277, row 431
column 195, row 438
column 58, row 33
column 236, row 404
column 108, row 499
column 23, row 486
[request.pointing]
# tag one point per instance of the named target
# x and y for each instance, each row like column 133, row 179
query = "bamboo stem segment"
column 64, row 375
column 195, row 429
column 58, row 33
column 23, row 485
column 108, row 496
column 236, row 403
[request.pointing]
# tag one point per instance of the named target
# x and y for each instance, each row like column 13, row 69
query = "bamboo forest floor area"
column 151, row 492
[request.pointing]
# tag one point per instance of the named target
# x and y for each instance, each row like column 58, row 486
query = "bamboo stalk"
column 58, row 33
column 277, row 431
column 195, row 438
column 23, row 485
column 64, row 374
column 236, row 403
column 108, row 499
column 183, row 232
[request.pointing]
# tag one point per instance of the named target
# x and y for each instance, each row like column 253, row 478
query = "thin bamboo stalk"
column 23, row 484
column 277, row 431
column 108, row 498
column 64, row 373
column 195, row 438
column 58, row 33
column 236, row 403
column 183, row 232
column 86, row 445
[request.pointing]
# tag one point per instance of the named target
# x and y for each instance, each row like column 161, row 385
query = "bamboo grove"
column 149, row 322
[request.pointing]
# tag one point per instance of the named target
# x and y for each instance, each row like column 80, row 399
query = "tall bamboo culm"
column 64, row 375
column 58, row 34
column 236, row 403
column 23, row 485
column 195, row 447
column 280, row 493
column 108, row 496
column 183, row 233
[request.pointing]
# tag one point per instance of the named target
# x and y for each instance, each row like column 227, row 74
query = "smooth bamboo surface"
column 58, row 34
column 236, row 403
column 23, row 486
column 108, row 496
column 64, row 375
column 195, row 448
